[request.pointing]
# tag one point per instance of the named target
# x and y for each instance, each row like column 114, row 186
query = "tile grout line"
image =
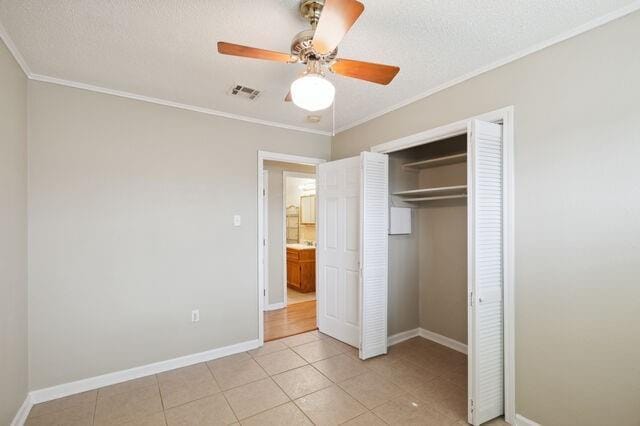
column 95, row 408
column 223, row 392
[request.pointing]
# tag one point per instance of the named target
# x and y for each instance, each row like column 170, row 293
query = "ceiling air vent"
column 244, row 92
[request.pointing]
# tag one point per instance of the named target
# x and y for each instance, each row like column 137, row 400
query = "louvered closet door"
column 374, row 220
column 338, row 222
column 486, row 348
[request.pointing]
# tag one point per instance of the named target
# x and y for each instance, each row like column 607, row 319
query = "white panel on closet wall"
column 374, row 222
column 486, row 342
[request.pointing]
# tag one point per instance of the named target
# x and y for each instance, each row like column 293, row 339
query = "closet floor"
column 309, row 378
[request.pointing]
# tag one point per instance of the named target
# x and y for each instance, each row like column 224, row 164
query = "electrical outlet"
column 195, row 315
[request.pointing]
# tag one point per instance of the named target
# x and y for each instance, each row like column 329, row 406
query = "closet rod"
column 443, row 197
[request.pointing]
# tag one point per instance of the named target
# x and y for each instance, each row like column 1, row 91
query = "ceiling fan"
column 317, row 48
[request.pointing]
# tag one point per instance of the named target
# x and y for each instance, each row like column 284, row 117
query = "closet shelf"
column 443, row 190
column 442, row 197
column 435, row 162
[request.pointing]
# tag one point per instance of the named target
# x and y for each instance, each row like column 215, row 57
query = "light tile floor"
column 300, row 380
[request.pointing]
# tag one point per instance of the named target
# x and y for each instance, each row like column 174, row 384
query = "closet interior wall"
column 404, row 259
column 434, row 256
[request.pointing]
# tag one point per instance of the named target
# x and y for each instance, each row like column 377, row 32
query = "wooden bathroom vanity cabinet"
column 301, row 267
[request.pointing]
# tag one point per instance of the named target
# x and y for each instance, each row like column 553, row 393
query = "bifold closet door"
column 338, row 230
column 485, row 215
column 352, row 251
column 374, row 222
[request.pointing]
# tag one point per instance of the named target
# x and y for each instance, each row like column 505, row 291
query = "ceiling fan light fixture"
column 312, row 92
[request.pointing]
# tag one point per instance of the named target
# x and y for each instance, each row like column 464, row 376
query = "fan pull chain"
column 333, row 119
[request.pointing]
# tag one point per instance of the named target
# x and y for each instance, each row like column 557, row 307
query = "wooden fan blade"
column 252, row 52
column 288, row 98
column 375, row 73
column 335, row 20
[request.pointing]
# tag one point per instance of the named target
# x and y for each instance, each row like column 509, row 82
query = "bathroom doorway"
column 288, row 247
column 300, row 237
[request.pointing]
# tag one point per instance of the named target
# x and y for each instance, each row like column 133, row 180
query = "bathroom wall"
column 295, row 188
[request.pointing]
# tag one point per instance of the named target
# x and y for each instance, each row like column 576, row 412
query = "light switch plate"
column 237, row 220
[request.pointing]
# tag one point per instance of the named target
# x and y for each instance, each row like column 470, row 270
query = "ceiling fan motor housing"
column 302, row 47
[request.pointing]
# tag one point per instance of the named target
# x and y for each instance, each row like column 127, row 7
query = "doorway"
column 287, row 244
column 299, row 216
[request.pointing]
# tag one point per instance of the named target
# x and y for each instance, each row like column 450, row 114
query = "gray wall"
column 577, row 133
column 443, row 256
column 404, row 260
column 13, row 236
column 130, row 215
column 276, row 215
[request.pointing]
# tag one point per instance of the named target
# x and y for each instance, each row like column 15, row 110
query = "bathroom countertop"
column 298, row 246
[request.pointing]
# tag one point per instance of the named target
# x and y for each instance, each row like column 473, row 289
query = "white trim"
column 23, row 412
column 274, row 156
column 92, row 88
column 172, row 104
column 265, row 236
column 509, row 270
column 523, row 421
column 59, row 391
column 4, row 35
column 505, row 116
column 275, row 306
column 443, row 340
column 594, row 23
column 402, row 336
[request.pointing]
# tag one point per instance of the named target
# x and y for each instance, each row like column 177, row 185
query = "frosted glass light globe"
column 312, row 92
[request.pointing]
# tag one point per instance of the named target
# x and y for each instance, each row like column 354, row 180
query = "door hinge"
column 264, row 192
column 264, row 241
column 471, row 300
column 472, row 405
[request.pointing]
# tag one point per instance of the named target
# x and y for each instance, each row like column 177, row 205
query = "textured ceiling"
column 166, row 49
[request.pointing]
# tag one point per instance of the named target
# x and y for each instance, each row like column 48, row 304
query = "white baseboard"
column 401, row 337
column 444, row 341
column 429, row 335
column 523, row 421
column 274, row 306
column 23, row 412
column 59, row 391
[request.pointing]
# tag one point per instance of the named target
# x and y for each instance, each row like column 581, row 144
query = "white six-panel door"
column 339, row 249
column 485, row 227
column 353, row 251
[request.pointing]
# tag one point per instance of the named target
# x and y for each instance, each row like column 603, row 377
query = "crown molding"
column 595, row 23
column 4, row 35
column 208, row 111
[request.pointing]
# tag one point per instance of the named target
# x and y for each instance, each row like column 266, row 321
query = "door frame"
column 285, row 158
column 504, row 116
column 285, row 175
column 265, row 236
